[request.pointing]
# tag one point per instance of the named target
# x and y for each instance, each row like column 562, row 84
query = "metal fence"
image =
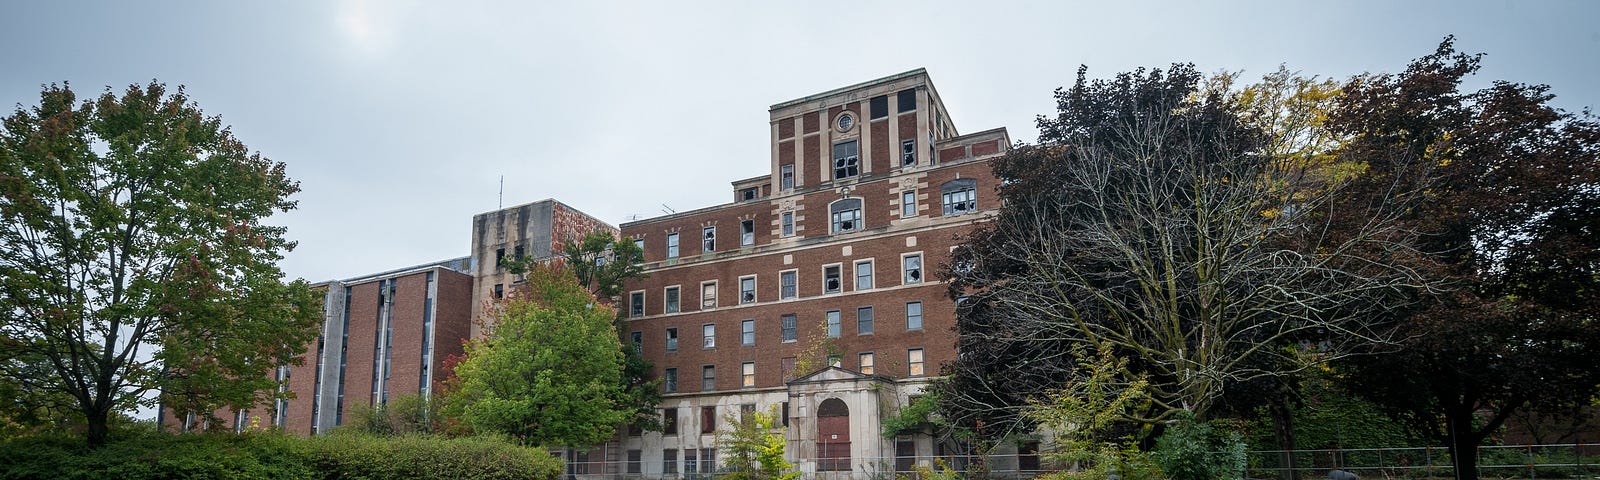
column 1570, row 460
column 999, row 466
column 1557, row 461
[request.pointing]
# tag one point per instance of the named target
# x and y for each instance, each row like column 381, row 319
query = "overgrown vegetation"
column 754, row 447
column 142, row 453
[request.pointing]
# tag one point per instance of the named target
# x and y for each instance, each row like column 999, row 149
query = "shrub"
column 142, row 454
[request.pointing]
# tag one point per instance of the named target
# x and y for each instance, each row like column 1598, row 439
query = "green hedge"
column 154, row 455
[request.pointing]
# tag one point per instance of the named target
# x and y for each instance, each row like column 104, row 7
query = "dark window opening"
column 879, row 106
column 830, row 279
column 907, row 100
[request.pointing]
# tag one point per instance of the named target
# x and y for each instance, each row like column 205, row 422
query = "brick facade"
column 880, row 238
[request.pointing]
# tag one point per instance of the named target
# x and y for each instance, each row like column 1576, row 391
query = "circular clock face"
column 846, row 121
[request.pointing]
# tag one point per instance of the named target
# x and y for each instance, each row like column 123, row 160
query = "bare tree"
column 1154, row 219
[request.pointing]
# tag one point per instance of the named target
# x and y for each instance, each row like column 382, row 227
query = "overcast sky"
column 399, row 118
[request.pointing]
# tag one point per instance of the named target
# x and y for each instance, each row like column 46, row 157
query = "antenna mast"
column 502, row 193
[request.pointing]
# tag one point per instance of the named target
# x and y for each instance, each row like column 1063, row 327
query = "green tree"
column 754, row 447
column 1090, row 414
column 1507, row 215
column 602, row 262
column 550, row 372
column 133, row 258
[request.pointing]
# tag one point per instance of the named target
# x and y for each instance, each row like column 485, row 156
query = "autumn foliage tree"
column 1510, row 218
column 134, row 259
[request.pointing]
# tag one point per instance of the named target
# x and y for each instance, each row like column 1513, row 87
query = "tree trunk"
column 98, row 429
column 1463, row 442
column 1283, row 432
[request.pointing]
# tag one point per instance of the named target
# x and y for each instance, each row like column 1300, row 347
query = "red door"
column 833, row 436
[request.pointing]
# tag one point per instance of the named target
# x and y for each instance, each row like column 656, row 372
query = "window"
column 690, row 465
column 708, row 295
column 640, row 244
column 669, row 382
column 914, row 362
column 708, row 460
column 499, row 290
column 960, row 196
column 833, row 360
column 746, row 411
column 636, row 304
column 672, row 339
column 908, row 152
column 830, row 279
column 499, row 258
column 864, row 320
column 833, row 324
column 878, row 106
column 747, row 194
column 672, row 245
column 864, row 275
column 747, row 233
column 708, row 239
column 907, row 100
column 747, row 375
column 846, row 161
column 788, row 322
column 913, row 315
column 911, row 266
column 709, row 335
column 672, row 299
column 747, row 332
column 786, row 176
column 638, row 341
column 908, row 204
column 788, row 224
column 866, row 363
column 787, row 282
column 708, row 378
column 669, row 460
column 708, row 419
column 846, row 215
column 747, row 290
column 633, row 461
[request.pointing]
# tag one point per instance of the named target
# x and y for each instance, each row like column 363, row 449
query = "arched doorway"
column 833, row 436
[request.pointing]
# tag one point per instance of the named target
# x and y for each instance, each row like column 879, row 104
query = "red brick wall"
column 822, row 168
column 786, row 127
column 889, row 341
column 452, row 325
column 405, row 355
column 884, row 155
column 303, row 381
column 358, row 353
column 568, row 223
